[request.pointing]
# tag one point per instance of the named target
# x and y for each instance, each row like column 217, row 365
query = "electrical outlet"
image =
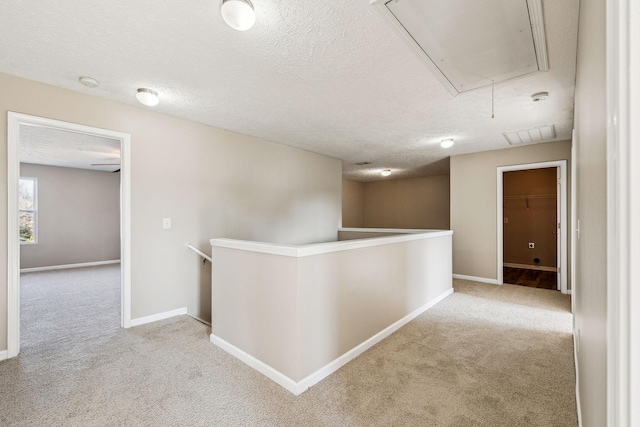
column 532, row 245
column 506, row 220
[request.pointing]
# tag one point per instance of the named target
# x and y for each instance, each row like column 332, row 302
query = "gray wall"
column 400, row 203
column 590, row 295
column 474, row 202
column 78, row 216
column 211, row 182
column 352, row 203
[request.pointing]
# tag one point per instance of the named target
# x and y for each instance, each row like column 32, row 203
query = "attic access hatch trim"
column 535, row 52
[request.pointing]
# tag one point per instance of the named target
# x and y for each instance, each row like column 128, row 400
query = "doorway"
column 543, row 199
column 17, row 123
column 530, row 228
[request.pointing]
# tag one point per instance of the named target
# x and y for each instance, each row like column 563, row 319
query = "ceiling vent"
column 538, row 134
column 469, row 44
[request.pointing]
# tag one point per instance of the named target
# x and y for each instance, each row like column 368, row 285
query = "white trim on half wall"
column 14, row 121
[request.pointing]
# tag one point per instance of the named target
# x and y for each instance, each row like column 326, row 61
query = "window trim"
column 34, row 211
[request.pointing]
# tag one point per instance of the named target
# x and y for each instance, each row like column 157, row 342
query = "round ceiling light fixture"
column 385, row 172
column 540, row 96
column 238, row 14
column 147, row 97
column 88, row 81
column 446, row 143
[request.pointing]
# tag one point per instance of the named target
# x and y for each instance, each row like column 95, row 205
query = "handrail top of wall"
column 199, row 252
column 403, row 235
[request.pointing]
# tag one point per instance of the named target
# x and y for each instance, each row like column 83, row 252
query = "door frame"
column 562, row 235
column 623, row 212
column 14, row 121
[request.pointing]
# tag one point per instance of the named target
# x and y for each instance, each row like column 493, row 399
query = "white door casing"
column 623, row 212
column 14, row 121
column 558, row 215
column 562, row 218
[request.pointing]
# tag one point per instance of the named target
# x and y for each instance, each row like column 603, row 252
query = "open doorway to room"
column 530, row 228
column 532, row 225
column 69, row 232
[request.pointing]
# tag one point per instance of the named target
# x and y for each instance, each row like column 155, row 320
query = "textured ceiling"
column 330, row 77
column 55, row 147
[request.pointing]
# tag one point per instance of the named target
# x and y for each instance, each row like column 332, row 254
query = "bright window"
column 28, row 206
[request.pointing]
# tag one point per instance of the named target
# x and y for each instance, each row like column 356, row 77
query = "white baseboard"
column 347, row 357
column 159, row 316
column 530, row 267
column 475, row 279
column 4, row 354
column 258, row 365
column 575, row 360
column 65, row 266
column 299, row 387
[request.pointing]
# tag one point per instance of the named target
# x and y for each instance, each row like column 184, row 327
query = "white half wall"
column 299, row 313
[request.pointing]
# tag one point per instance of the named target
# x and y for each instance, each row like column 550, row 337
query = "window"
column 28, row 210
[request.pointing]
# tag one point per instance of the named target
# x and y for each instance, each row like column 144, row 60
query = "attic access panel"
column 469, row 43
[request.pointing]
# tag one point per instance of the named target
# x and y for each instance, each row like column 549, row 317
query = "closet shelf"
column 533, row 196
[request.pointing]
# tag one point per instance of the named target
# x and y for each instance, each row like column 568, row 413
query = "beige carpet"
column 485, row 356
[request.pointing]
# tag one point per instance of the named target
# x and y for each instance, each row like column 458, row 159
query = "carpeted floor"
column 485, row 356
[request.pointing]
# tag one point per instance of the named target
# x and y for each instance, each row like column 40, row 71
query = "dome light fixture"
column 446, row 143
column 147, row 97
column 238, row 14
column 385, row 172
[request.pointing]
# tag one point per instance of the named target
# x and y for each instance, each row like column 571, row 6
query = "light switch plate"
column 166, row 223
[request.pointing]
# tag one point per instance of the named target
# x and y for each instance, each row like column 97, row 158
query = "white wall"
column 590, row 294
column 474, row 201
column 78, row 216
column 211, row 182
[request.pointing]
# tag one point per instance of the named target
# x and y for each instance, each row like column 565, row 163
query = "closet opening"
column 532, row 225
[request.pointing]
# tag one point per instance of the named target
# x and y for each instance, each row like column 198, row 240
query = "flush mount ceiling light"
column 238, row 14
column 386, row 172
column 88, row 81
column 540, row 96
column 446, row 143
column 147, row 97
